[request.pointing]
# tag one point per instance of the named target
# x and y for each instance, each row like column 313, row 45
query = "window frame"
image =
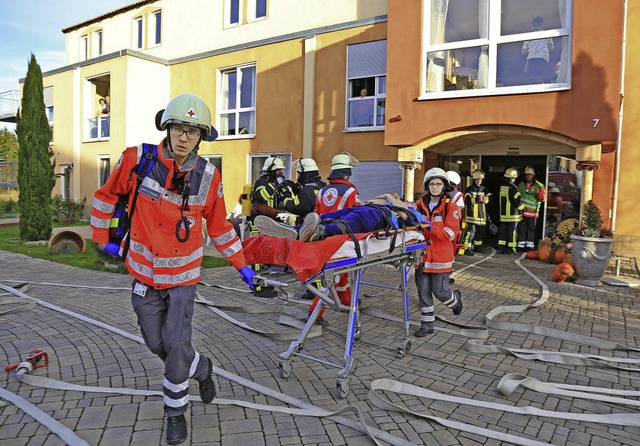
column 493, row 41
column 137, row 34
column 227, row 13
column 254, row 173
column 252, row 10
column 84, row 47
column 220, row 111
column 154, row 38
column 98, row 36
column 101, row 159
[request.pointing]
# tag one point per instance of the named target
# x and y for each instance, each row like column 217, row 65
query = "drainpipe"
column 616, row 172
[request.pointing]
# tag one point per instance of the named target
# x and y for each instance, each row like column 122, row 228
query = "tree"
column 35, row 170
column 8, row 145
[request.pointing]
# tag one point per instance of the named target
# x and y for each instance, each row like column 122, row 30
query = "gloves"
column 113, row 249
column 425, row 224
column 247, row 275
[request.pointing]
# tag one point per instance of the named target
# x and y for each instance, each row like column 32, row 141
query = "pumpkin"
column 559, row 255
column 532, row 255
column 544, row 252
column 562, row 272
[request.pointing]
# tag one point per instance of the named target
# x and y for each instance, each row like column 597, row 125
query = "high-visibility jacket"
column 532, row 195
column 156, row 257
column 445, row 227
column 475, row 209
column 264, row 191
column 304, row 202
column 510, row 203
column 336, row 195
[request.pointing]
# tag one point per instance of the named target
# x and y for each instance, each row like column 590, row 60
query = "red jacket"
column 156, row 257
column 445, row 227
column 338, row 194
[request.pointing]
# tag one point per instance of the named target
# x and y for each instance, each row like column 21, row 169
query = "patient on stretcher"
column 384, row 212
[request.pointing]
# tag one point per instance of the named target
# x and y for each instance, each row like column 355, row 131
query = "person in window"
column 102, row 114
column 180, row 190
column 537, row 52
column 361, row 111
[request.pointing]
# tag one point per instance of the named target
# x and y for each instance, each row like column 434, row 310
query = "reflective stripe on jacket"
column 475, row 209
column 156, row 257
column 445, row 227
column 338, row 194
column 532, row 195
column 510, row 203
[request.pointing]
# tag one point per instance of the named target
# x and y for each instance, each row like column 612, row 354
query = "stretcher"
column 286, row 261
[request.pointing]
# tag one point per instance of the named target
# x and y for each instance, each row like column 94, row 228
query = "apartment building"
column 403, row 85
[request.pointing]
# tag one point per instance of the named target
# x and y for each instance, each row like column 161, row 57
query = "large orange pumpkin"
column 544, row 252
column 562, row 272
column 559, row 255
column 532, row 255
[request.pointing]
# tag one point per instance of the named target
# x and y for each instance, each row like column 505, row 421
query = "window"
column 84, row 47
column 98, row 39
column 256, row 10
column 216, row 160
column 47, row 94
column 156, row 32
column 480, row 47
column 237, row 103
column 104, row 169
column 97, row 107
column 366, row 85
column 137, row 33
column 257, row 162
column 232, row 12
column 238, row 12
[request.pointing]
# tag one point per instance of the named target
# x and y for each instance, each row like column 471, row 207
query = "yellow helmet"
column 272, row 163
column 343, row 160
column 477, row 174
column 512, row 173
column 305, row 165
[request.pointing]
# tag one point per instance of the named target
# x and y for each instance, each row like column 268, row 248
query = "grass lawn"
column 92, row 258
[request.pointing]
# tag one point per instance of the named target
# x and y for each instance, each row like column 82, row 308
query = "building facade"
column 403, row 85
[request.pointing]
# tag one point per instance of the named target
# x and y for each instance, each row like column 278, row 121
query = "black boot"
column 423, row 332
column 207, row 387
column 457, row 309
column 176, row 429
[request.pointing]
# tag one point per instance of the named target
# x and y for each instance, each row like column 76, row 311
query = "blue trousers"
column 359, row 219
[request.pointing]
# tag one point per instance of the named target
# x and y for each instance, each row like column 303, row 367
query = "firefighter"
column 432, row 274
column 533, row 194
column 338, row 194
column 554, row 207
column 477, row 197
column 166, row 248
column 270, row 190
column 305, row 190
column 511, row 207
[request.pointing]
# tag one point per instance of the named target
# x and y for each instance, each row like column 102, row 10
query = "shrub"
column 68, row 211
column 591, row 223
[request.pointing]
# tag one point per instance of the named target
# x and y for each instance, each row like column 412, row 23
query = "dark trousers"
column 429, row 285
column 507, row 235
column 527, row 233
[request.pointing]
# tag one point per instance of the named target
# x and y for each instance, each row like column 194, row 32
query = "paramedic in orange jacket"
column 166, row 247
column 338, row 194
column 432, row 274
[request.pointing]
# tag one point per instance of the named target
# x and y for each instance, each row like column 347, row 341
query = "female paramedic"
column 432, row 273
column 167, row 203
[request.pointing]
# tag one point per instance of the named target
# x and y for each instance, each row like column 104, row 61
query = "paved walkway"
column 85, row 354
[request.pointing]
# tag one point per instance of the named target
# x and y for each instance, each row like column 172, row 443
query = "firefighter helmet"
column 453, row 177
column 529, row 170
column 343, row 160
column 477, row 174
column 187, row 109
column 272, row 163
column 554, row 190
column 305, row 165
column 512, row 173
column 435, row 172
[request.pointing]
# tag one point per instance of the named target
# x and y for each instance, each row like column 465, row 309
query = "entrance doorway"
column 494, row 168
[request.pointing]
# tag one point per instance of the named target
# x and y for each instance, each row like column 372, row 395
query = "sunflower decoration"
column 566, row 228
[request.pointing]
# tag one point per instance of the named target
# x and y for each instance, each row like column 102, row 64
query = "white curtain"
column 563, row 73
column 435, row 61
column 483, row 62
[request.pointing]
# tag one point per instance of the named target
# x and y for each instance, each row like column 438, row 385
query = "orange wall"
column 594, row 92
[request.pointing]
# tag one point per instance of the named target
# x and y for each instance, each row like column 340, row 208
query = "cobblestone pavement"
column 89, row 355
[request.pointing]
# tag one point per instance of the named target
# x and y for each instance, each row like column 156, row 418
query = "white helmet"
column 554, row 190
column 343, row 160
column 529, row 170
column 453, row 177
column 305, row 165
column 435, row 172
column 272, row 163
column 477, row 174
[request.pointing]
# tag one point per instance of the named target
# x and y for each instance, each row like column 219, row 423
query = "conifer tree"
column 35, row 169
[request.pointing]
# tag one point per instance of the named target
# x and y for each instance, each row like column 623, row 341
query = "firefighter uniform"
column 476, row 198
column 432, row 274
column 533, row 194
column 511, row 207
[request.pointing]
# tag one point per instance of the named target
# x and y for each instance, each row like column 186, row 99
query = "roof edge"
column 107, row 15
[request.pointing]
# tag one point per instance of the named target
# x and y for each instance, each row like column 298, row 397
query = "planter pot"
column 590, row 258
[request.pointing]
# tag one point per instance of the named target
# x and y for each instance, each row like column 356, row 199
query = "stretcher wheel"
column 357, row 335
column 285, row 369
column 342, row 389
column 405, row 348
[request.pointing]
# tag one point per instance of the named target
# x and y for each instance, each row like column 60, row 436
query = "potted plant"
column 591, row 247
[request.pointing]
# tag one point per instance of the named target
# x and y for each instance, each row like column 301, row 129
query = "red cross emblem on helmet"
column 191, row 113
